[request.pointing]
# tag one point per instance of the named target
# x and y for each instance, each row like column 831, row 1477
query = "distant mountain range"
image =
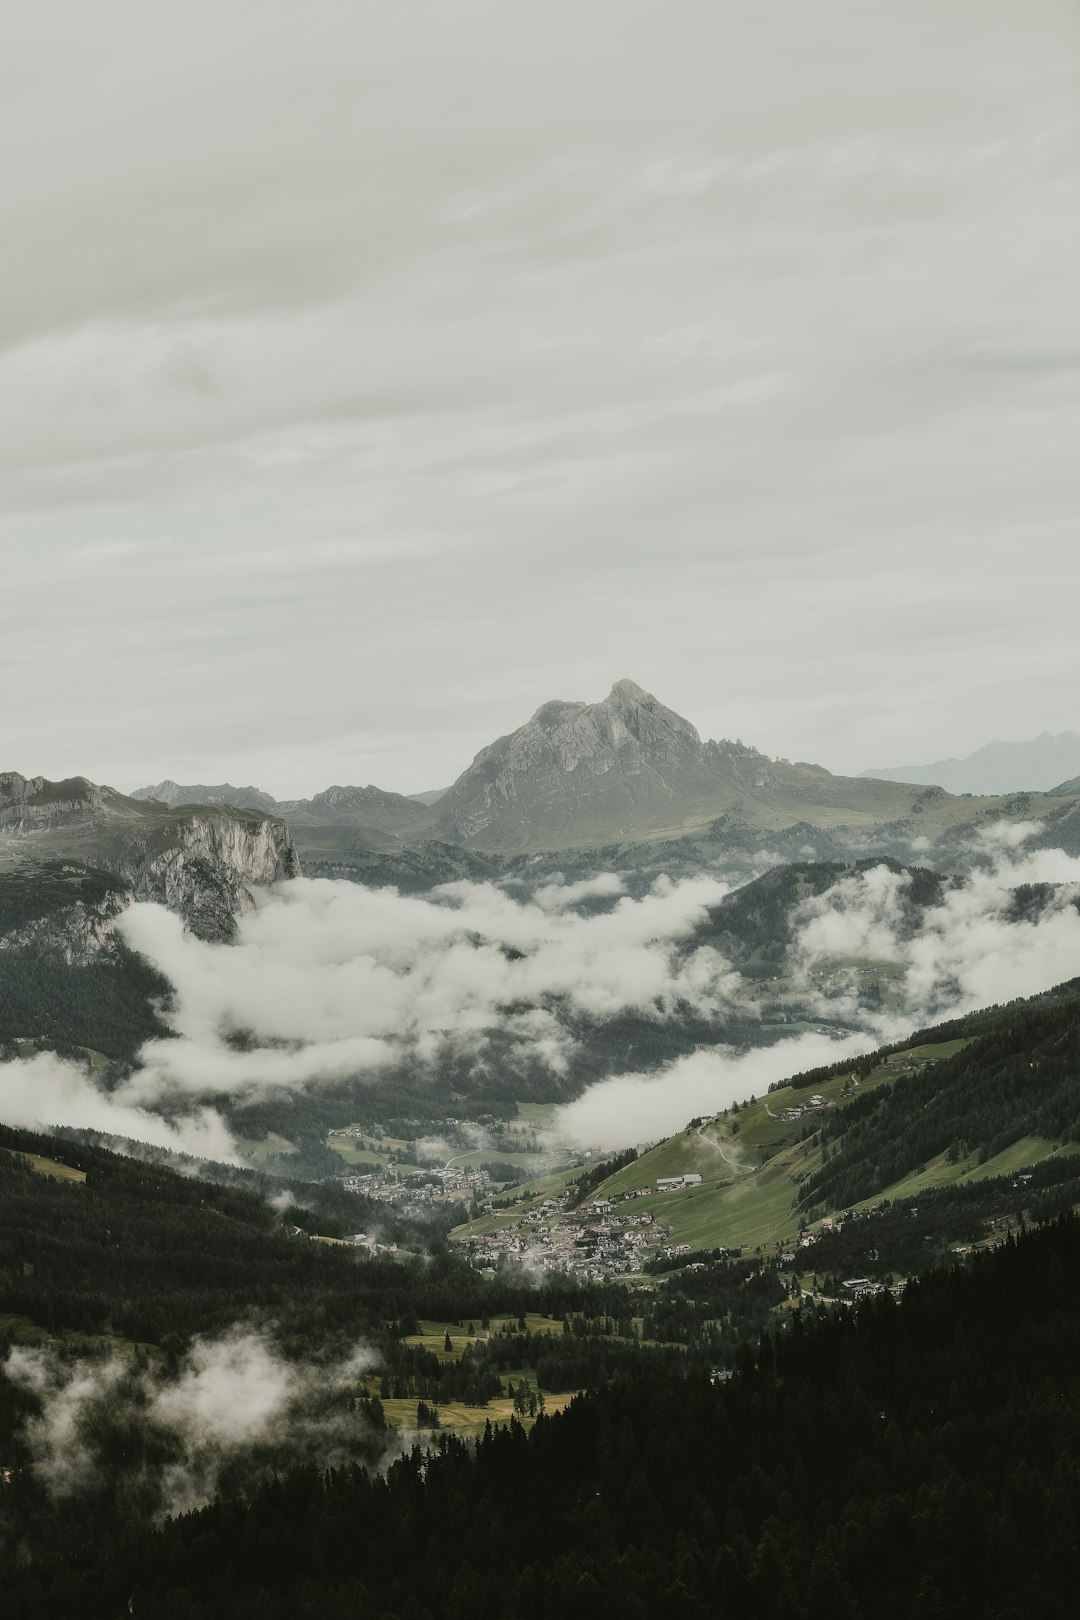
column 1001, row 767
column 577, row 776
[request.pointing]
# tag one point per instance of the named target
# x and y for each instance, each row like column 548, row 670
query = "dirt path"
column 732, row 1164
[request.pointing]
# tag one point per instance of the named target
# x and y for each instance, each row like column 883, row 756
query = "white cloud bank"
column 329, row 980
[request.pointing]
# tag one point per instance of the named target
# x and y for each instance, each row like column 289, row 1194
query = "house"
column 669, row 1183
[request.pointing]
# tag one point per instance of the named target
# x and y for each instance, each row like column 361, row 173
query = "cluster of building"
column 390, row 1186
column 602, row 1239
column 800, row 1110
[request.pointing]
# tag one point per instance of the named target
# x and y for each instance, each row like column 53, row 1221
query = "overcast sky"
column 371, row 373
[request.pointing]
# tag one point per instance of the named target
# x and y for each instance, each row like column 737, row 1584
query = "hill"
column 997, row 767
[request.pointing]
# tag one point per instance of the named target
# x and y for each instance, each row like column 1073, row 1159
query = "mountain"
column 1066, row 790
column 964, row 1123
column 999, row 767
column 197, row 861
column 625, row 774
column 172, row 794
column 628, row 769
column 355, row 820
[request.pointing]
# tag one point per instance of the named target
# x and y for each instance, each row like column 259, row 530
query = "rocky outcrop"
column 201, row 863
column 204, row 865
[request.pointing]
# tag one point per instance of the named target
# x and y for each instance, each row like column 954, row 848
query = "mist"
column 46, row 1091
column 234, row 1402
column 330, row 981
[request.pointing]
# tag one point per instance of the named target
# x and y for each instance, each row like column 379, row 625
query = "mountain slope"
column 625, row 772
column 982, row 1097
column 353, row 820
column 998, row 767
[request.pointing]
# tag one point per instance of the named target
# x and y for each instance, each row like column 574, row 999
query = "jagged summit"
column 580, row 771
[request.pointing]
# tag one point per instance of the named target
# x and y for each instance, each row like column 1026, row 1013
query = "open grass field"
column 259, row 1147
column 24, row 1330
column 455, row 1417
column 938, row 1172
column 49, row 1167
column 433, row 1334
column 531, row 1165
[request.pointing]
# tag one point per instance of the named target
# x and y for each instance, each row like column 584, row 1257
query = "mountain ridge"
column 1035, row 763
column 623, row 771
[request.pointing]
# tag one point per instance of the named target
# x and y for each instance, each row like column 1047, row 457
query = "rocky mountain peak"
column 617, row 763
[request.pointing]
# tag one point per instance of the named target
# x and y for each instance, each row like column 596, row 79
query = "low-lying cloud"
column 47, row 1091
column 236, row 1400
column 970, row 950
column 330, row 980
column 632, row 1109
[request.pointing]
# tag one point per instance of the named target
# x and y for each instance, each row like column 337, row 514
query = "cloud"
column 235, row 1398
column 630, row 1109
column 328, row 980
column 47, row 1091
column 970, row 950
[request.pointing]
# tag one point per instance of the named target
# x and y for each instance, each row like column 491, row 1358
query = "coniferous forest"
column 911, row 1458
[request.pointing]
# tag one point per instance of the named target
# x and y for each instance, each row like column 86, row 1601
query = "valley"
column 497, row 1107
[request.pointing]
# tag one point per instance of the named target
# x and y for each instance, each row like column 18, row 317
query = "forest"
column 910, row 1458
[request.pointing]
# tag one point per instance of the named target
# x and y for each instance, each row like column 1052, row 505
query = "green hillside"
column 994, row 1095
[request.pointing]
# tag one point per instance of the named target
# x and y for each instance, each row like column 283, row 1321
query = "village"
column 607, row 1238
column 413, row 1189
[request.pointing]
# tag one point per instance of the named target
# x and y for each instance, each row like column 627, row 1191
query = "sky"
column 371, row 374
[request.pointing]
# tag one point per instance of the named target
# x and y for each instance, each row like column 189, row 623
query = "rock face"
column 200, row 862
column 354, row 818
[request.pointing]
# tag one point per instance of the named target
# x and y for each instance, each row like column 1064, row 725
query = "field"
column 49, row 1167
column 455, row 1417
column 24, row 1330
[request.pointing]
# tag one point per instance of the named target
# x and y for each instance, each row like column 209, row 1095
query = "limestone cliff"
column 201, row 863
